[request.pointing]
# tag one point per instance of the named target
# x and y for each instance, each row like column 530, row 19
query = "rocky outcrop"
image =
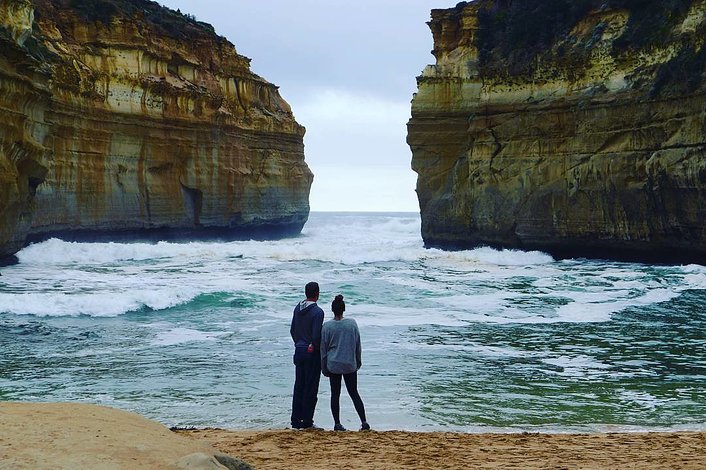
column 124, row 117
column 24, row 97
column 81, row 435
column 573, row 127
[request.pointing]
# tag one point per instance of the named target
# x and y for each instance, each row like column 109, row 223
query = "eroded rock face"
column 24, row 98
column 127, row 117
column 577, row 128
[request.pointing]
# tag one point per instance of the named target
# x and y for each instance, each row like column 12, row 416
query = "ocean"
column 197, row 334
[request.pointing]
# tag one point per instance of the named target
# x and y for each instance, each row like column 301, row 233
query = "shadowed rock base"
column 630, row 252
column 269, row 231
column 8, row 260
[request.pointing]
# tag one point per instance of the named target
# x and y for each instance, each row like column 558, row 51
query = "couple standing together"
column 332, row 348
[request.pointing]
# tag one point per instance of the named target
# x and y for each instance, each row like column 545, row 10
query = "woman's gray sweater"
column 340, row 347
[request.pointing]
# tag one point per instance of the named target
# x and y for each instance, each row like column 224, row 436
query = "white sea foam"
column 577, row 366
column 489, row 307
column 472, row 348
column 58, row 278
column 594, row 307
column 184, row 335
column 390, row 240
column 58, row 252
column 695, row 279
column 491, row 256
column 379, row 315
column 642, row 399
column 96, row 304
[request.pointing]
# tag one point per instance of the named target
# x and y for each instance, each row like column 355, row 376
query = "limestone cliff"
column 121, row 116
column 574, row 127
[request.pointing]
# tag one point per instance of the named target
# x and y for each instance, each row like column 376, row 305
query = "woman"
column 341, row 359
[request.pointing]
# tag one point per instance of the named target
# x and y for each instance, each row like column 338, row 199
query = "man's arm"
column 324, row 353
column 291, row 328
column 316, row 328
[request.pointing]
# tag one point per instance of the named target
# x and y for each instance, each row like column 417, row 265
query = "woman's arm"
column 358, row 349
column 324, row 352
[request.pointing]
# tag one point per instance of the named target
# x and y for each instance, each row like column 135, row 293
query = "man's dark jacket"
column 306, row 324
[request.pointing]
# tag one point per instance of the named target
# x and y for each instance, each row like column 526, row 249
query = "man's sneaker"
column 312, row 427
column 297, row 426
column 365, row 426
column 339, row 427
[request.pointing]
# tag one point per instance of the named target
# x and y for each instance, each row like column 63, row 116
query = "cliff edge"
column 122, row 117
column 572, row 127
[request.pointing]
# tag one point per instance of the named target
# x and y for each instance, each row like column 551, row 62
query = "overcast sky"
column 348, row 70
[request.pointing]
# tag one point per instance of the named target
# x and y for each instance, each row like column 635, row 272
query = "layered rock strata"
column 573, row 127
column 124, row 117
column 24, row 97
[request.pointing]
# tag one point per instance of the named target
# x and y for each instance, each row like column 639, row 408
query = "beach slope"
column 80, row 436
column 414, row 450
column 77, row 436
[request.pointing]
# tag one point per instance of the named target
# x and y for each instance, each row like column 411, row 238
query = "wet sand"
column 311, row 450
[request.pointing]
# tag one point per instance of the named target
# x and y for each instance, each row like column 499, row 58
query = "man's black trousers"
column 306, row 388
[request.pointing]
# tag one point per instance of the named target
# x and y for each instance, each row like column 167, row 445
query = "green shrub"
column 650, row 22
column 101, row 11
column 516, row 33
column 683, row 74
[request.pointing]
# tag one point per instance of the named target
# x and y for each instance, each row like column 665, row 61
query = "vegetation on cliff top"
column 516, row 36
column 513, row 34
column 163, row 20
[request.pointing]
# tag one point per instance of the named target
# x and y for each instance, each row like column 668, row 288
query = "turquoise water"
column 197, row 334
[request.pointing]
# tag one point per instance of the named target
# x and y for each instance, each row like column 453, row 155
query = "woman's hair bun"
column 338, row 305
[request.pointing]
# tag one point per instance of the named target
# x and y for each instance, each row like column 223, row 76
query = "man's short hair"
column 311, row 290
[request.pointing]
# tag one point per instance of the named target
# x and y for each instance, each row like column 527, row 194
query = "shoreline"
column 397, row 450
column 79, row 435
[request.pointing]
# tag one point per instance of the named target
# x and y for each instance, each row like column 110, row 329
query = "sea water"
column 197, row 334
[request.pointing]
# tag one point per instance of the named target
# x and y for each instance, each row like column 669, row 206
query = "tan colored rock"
column 145, row 120
column 583, row 137
column 24, row 98
column 80, row 436
column 201, row 461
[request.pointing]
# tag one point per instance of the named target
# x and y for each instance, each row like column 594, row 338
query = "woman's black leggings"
column 352, row 387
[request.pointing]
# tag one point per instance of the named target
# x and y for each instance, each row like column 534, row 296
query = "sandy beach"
column 315, row 450
column 81, row 436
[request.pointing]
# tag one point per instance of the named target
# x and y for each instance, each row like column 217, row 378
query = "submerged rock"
column 123, row 117
column 573, row 127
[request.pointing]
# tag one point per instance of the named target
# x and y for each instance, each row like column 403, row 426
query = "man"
column 306, row 334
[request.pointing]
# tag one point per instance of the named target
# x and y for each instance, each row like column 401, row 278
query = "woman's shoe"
column 339, row 427
column 365, row 426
